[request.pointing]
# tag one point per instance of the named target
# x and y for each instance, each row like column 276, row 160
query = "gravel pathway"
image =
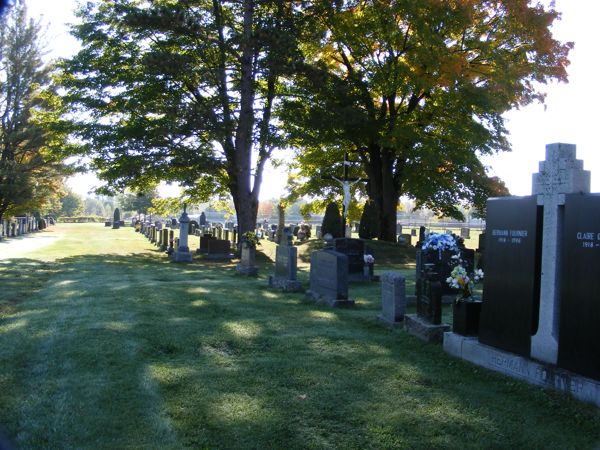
column 22, row 245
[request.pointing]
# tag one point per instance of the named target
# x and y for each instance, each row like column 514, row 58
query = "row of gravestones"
column 211, row 246
column 18, row 226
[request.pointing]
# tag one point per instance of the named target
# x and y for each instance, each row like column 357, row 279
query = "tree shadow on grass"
column 137, row 351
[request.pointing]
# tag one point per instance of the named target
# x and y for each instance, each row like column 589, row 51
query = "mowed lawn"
column 105, row 344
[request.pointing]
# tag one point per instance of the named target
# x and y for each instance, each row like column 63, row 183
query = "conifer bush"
column 332, row 221
column 369, row 222
column 117, row 219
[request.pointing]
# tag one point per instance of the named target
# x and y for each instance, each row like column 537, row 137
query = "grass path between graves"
column 104, row 344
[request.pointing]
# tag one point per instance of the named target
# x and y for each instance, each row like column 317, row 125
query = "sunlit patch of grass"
column 326, row 315
column 243, row 329
column 198, row 290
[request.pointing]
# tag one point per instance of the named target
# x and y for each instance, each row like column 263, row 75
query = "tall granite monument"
column 560, row 174
column 540, row 311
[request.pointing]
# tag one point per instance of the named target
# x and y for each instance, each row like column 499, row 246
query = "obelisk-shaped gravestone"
column 561, row 173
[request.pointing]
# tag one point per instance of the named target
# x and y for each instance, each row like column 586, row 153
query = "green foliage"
column 332, row 221
column 369, row 222
column 100, row 206
column 83, row 219
column 30, row 173
column 181, row 92
column 415, row 91
column 71, row 204
column 250, row 238
column 166, row 207
column 137, row 202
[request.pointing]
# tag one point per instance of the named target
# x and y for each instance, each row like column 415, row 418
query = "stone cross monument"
column 561, row 173
column 182, row 253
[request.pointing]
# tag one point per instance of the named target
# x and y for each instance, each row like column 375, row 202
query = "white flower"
column 368, row 259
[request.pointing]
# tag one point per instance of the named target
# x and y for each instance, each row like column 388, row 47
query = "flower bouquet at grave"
column 369, row 261
column 463, row 281
column 250, row 239
column 440, row 242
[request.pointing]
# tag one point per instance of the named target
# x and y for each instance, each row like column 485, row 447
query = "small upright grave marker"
column 286, row 261
column 393, row 298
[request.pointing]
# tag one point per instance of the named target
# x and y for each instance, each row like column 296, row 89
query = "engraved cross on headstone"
column 561, row 173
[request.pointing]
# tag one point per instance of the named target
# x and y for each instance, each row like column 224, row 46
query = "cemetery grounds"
column 104, row 343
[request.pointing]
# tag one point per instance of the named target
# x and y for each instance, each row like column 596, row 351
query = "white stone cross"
column 561, row 173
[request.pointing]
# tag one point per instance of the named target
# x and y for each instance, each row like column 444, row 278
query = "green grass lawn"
column 105, row 344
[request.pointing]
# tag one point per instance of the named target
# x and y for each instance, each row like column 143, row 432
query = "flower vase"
column 465, row 317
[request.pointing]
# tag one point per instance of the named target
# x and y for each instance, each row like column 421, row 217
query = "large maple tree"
column 415, row 91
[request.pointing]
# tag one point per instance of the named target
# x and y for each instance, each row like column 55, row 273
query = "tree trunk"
column 383, row 190
column 246, row 209
column 280, row 222
column 245, row 198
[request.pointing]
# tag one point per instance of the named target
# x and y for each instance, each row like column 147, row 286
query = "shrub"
column 117, row 219
column 82, row 219
column 369, row 222
column 332, row 222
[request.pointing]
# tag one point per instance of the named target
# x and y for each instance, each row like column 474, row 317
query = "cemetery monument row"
column 540, row 312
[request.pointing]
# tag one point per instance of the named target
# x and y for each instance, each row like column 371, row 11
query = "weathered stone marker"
column 561, row 173
column 247, row 265
column 286, row 266
column 393, row 298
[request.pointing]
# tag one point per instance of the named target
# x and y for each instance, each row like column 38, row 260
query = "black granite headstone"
column 510, row 309
column 354, row 249
column 204, row 240
column 218, row 248
column 579, row 329
column 429, row 296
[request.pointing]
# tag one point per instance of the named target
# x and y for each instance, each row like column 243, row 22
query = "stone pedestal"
column 247, row 265
column 537, row 373
column 424, row 330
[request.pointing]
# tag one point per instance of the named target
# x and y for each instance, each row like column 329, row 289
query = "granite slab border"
column 534, row 372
